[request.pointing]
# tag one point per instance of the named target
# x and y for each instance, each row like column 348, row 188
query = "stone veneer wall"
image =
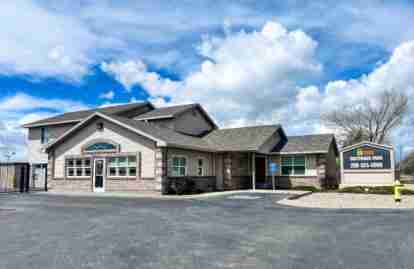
column 285, row 182
column 161, row 169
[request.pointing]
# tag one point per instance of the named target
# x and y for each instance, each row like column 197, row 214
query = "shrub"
column 182, row 186
column 374, row 190
column 306, row 188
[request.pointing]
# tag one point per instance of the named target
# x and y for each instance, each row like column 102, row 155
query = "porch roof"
column 319, row 143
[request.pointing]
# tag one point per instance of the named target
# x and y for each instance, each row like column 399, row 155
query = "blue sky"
column 247, row 62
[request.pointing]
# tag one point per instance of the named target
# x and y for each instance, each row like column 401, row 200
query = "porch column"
column 254, row 171
column 161, row 169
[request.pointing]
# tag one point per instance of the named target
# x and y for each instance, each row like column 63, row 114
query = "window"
column 200, row 167
column 293, row 165
column 78, row 167
column 44, row 135
column 122, row 166
column 179, row 166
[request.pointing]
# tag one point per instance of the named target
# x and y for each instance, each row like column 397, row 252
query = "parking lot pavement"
column 235, row 231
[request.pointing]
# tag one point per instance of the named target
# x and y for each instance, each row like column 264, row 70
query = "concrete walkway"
column 350, row 200
column 158, row 195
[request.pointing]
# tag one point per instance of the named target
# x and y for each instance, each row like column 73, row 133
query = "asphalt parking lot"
column 237, row 231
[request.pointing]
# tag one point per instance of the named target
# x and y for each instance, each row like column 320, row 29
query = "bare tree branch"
column 373, row 120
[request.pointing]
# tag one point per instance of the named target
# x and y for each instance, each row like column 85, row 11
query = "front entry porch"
column 246, row 170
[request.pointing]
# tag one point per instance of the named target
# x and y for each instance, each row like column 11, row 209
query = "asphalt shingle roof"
column 165, row 112
column 170, row 136
column 308, row 143
column 241, row 139
column 80, row 115
column 231, row 139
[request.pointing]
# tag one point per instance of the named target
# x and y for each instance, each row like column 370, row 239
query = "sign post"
column 273, row 170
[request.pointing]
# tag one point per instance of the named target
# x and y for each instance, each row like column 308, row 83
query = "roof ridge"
column 330, row 134
column 56, row 118
column 101, row 107
column 251, row 126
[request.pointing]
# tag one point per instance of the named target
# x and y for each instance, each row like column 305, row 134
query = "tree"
column 372, row 120
column 407, row 164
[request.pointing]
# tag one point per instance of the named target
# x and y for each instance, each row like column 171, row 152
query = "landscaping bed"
column 374, row 190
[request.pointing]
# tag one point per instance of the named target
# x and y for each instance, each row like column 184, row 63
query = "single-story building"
column 138, row 147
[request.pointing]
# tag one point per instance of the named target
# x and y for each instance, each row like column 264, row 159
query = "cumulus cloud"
column 245, row 78
column 23, row 108
column 109, row 95
column 395, row 74
column 131, row 73
column 40, row 43
column 254, row 78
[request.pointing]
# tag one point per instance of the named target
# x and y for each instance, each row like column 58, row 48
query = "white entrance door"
column 39, row 175
column 99, row 175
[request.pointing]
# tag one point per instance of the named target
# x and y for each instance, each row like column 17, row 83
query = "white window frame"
column 117, row 166
column 44, row 135
column 293, row 166
column 74, row 167
column 203, row 167
column 179, row 166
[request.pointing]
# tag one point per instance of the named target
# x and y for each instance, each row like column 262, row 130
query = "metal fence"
column 14, row 177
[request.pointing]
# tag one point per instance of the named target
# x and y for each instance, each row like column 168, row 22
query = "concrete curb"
column 155, row 195
column 297, row 196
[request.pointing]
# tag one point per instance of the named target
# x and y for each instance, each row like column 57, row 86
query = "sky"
column 246, row 62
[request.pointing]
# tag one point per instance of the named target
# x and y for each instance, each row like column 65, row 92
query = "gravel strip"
column 350, row 200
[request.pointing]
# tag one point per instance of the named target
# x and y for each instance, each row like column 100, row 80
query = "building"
column 137, row 147
column 367, row 164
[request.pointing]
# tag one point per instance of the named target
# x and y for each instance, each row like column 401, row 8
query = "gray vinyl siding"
column 192, row 164
column 35, row 147
column 192, row 122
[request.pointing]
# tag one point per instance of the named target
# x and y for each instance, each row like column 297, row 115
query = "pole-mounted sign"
column 273, row 167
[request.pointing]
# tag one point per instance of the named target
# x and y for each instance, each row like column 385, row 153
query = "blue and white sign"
column 273, row 167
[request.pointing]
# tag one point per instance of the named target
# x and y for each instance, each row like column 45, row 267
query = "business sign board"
column 273, row 168
column 367, row 157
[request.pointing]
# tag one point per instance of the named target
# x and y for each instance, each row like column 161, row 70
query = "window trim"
column 293, row 166
column 185, row 167
column 44, row 135
column 83, row 167
column 108, row 166
column 203, row 167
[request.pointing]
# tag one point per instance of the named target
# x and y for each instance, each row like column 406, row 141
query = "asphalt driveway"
column 237, row 231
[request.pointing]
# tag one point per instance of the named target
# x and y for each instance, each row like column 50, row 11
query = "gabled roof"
column 162, row 136
column 172, row 112
column 169, row 136
column 78, row 116
column 241, row 139
column 367, row 143
column 319, row 143
column 165, row 112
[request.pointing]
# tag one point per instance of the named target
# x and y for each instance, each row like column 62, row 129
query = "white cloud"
column 40, row 43
column 246, row 77
column 23, row 102
column 395, row 74
column 253, row 78
column 131, row 73
column 107, row 95
column 22, row 108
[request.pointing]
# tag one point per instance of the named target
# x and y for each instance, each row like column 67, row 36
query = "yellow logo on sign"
column 365, row 152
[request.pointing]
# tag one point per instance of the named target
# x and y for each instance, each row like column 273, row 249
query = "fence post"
column 21, row 175
column 27, row 177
